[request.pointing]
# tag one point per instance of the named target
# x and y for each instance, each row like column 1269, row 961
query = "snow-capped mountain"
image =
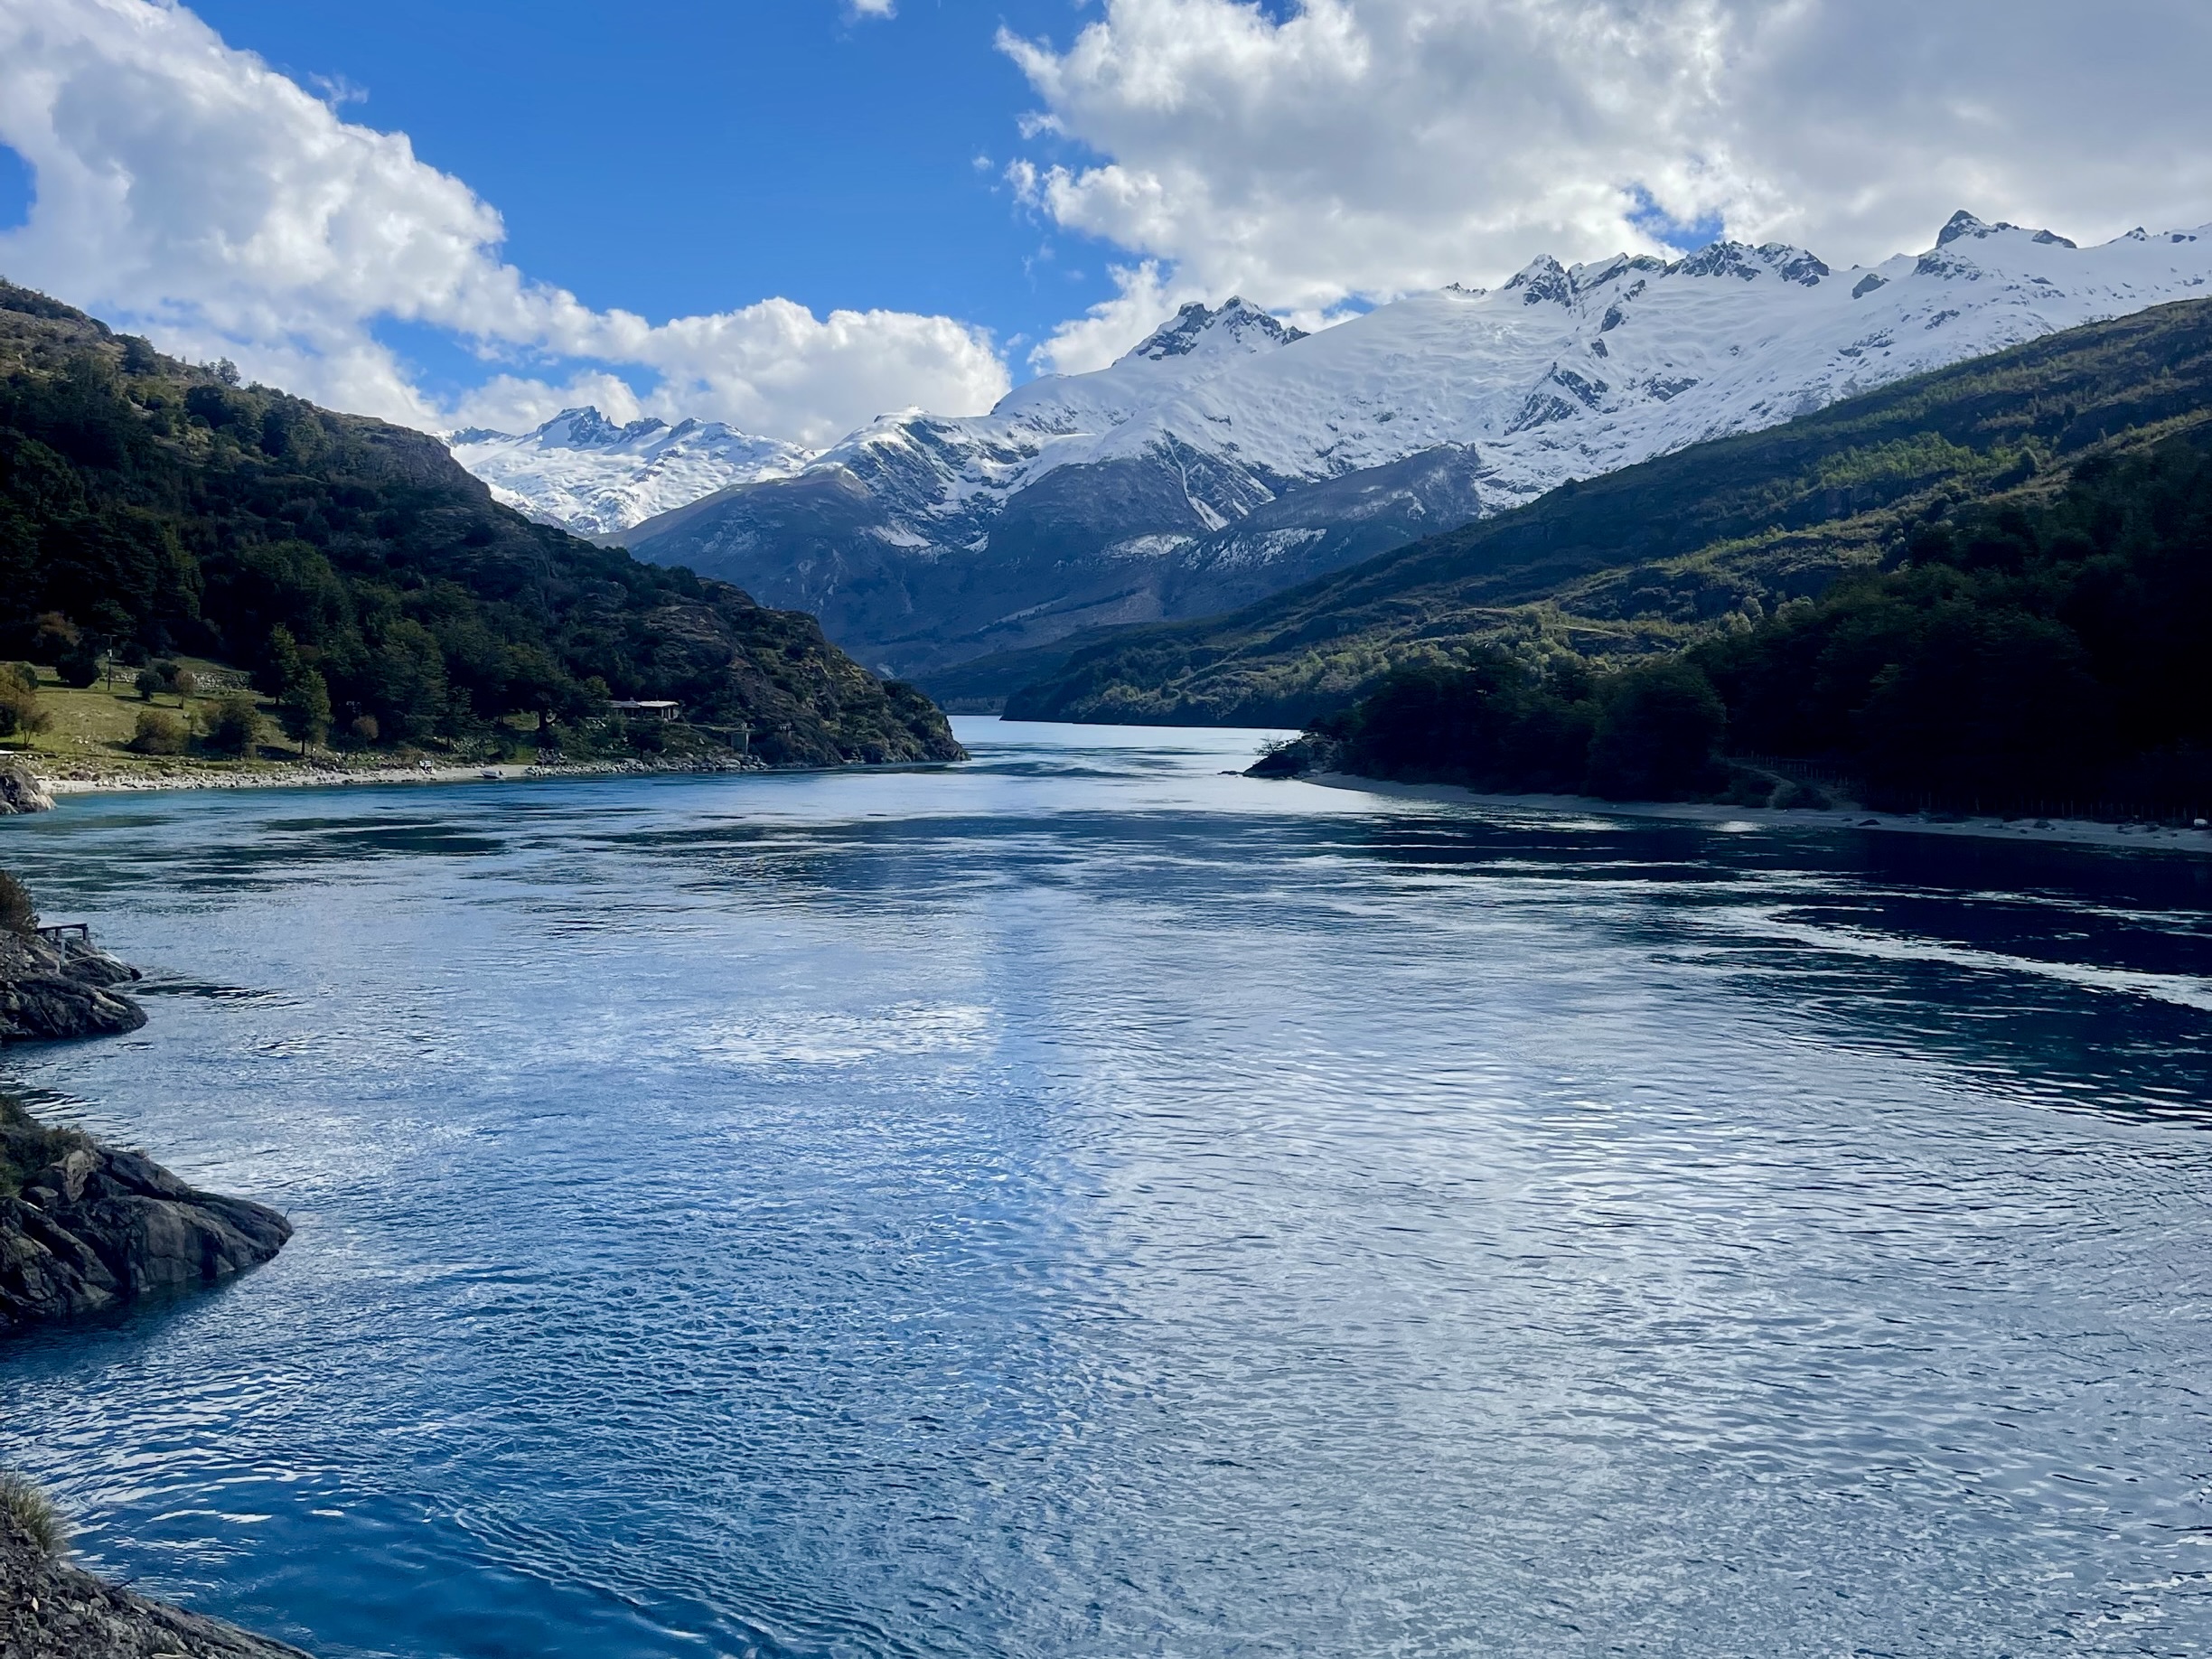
column 587, row 474
column 1228, row 456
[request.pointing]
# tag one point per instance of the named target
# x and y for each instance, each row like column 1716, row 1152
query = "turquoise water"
column 1083, row 1203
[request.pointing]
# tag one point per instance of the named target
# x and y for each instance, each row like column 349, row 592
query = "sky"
column 794, row 215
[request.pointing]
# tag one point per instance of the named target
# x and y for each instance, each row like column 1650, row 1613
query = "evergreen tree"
column 303, row 695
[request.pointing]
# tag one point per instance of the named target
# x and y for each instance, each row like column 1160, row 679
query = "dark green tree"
column 1659, row 731
column 303, row 695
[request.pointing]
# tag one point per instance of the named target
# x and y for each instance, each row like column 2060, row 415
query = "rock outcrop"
column 86, row 1227
column 1302, row 757
column 51, row 1610
column 21, row 791
column 62, row 986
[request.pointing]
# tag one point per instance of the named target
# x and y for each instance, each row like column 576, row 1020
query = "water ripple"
column 1081, row 1204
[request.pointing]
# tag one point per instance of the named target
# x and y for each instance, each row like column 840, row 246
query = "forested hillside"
column 1726, row 541
column 2027, row 656
column 148, row 507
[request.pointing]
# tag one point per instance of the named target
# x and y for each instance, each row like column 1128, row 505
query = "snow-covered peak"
column 1236, row 326
column 1740, row 259
column 595, row 476
column 1559, row 373
column 587, row 428
column 1194, row 344
column 1964, row 224
column 1589, row 278
column 1542, row 279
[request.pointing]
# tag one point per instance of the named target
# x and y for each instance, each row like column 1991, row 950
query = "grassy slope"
column 1658, row 555
column 153, row 507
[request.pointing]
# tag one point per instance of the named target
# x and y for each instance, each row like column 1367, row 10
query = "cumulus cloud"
column 189, row 190
column 1339, row 148
column 1142, row 301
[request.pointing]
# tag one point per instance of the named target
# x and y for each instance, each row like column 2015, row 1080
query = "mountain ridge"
column 1179, row 483
column 594, row 477
column 1655, row 555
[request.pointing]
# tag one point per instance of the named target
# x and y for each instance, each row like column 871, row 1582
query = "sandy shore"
column 2056, row 831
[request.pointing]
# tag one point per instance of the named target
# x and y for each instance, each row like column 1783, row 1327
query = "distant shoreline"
column 297, row 776
column 2053, row 831
column 317, row 775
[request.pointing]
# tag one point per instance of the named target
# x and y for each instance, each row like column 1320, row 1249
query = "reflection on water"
column 1083, row 1203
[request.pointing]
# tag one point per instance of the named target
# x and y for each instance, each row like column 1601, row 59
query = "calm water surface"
column 1082, row 1203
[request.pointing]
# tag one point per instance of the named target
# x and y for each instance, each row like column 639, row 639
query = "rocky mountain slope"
column 1228, row 457
column 1653, row 556
column 582, row 471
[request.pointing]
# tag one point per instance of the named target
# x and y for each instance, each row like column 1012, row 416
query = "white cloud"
column 873, row 8
column 1142, row 301
column 189, row 190
column 1370, row 147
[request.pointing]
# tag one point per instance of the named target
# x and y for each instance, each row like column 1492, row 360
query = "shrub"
column 184, row 682
column 27, row 1146
column 79, row 666
column 21, row 675
column 157, row 733
column 365, row 729
column 18, row 914
column 32, row 1513
column 20, row 711
column 1797, row 796
column 56, row 637
column 233, row 725
column 147, row 683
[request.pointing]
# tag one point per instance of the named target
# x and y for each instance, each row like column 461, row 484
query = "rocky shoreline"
column 94, row 778
column 52, row 1610
column 57, row 984
column 85, row 1229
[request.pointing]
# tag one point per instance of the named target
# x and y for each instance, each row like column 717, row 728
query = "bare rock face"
column 51, row 1610
column 21, row 791
column 62, row 988
column 86, row 1227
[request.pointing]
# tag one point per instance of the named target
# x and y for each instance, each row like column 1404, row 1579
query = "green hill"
column 2017, row 655
column 1707, row 542
column 149, row 507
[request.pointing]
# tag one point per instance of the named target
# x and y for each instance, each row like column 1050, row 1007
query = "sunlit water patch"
column 1086, row 1204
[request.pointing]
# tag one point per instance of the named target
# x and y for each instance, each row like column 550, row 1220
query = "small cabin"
column 650, row 709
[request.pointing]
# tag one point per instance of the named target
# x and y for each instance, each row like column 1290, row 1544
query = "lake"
column 1081, row 1202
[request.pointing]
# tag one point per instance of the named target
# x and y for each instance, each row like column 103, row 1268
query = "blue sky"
column 691, row 157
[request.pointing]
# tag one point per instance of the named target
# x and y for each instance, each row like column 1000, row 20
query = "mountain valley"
column 1229, row 457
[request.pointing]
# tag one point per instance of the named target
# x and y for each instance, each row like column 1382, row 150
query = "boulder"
column 21, row 791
